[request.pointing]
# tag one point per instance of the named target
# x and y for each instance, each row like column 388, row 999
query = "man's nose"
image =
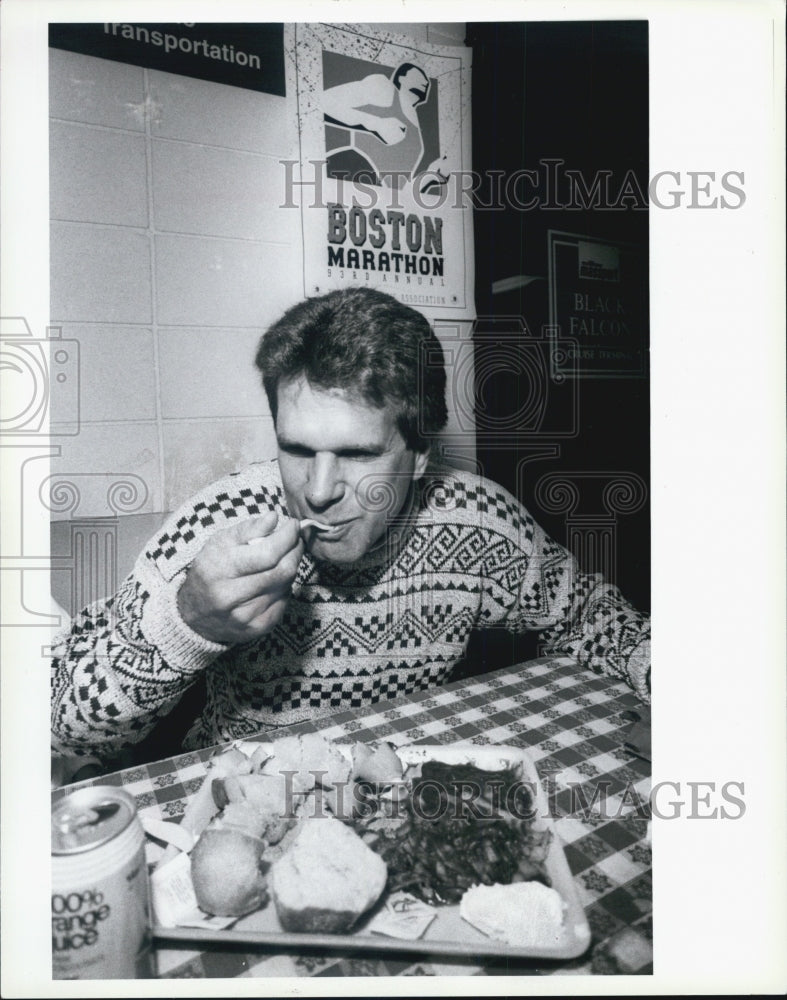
column 324, row 485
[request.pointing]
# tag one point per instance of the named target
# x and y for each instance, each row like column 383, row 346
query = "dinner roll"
column 225, row 872
column 327, row 878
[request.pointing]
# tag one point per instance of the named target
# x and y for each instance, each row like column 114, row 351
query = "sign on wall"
column 241, row 55
column 597, row 300
column 384, row 139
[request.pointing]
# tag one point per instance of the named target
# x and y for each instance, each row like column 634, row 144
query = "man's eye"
column 296, row 450
column 359, row 456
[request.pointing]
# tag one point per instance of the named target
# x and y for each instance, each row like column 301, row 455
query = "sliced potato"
column 258, row 758
column 381, row 766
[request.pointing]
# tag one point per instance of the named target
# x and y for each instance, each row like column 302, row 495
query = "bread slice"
column 327, row 878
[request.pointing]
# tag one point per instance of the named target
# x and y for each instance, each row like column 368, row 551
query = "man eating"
column 350, row 569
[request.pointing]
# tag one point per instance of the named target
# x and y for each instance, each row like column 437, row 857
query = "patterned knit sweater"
column 468, row 555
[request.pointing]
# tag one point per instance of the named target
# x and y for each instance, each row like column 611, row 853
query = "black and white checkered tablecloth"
column 573, row 725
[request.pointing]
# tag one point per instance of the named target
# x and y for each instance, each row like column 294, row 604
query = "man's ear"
column 421, row 462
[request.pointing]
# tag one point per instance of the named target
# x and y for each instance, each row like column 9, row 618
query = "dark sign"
column 241, row 55
column 598, row 300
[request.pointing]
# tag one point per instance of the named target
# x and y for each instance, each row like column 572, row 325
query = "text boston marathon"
column 379, row 240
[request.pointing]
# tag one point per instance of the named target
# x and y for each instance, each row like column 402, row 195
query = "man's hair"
column 365, row 342
column 400, row 71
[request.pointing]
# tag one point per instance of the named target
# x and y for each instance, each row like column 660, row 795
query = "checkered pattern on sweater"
column 396, row 622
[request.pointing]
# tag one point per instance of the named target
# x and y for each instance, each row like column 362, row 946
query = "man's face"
column 414, row 86
column 343, row 462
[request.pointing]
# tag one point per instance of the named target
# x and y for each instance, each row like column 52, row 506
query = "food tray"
column 448, row 934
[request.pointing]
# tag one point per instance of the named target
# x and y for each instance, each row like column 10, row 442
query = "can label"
column 100, row 895
column 100, row 930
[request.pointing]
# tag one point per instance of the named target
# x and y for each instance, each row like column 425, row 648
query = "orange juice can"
column 100, row 888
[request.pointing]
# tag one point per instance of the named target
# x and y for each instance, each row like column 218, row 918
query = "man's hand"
column 235, row 592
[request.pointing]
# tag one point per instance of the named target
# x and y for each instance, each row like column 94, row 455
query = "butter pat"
column 524, row 914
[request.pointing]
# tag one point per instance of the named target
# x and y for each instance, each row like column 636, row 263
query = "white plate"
column 448, row 933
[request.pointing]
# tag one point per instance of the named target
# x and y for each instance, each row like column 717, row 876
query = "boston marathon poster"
column 382, row 177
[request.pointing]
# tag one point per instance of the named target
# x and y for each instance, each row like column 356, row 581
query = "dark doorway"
column 560, row 144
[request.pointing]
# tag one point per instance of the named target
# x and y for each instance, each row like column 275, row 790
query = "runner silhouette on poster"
column 385, row 138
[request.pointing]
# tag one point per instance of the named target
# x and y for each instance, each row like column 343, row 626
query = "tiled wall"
column 169, row 257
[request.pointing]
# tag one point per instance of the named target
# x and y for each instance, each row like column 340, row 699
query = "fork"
column 307, row 522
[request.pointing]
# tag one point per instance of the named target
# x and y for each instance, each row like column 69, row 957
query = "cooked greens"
column 456, row 826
